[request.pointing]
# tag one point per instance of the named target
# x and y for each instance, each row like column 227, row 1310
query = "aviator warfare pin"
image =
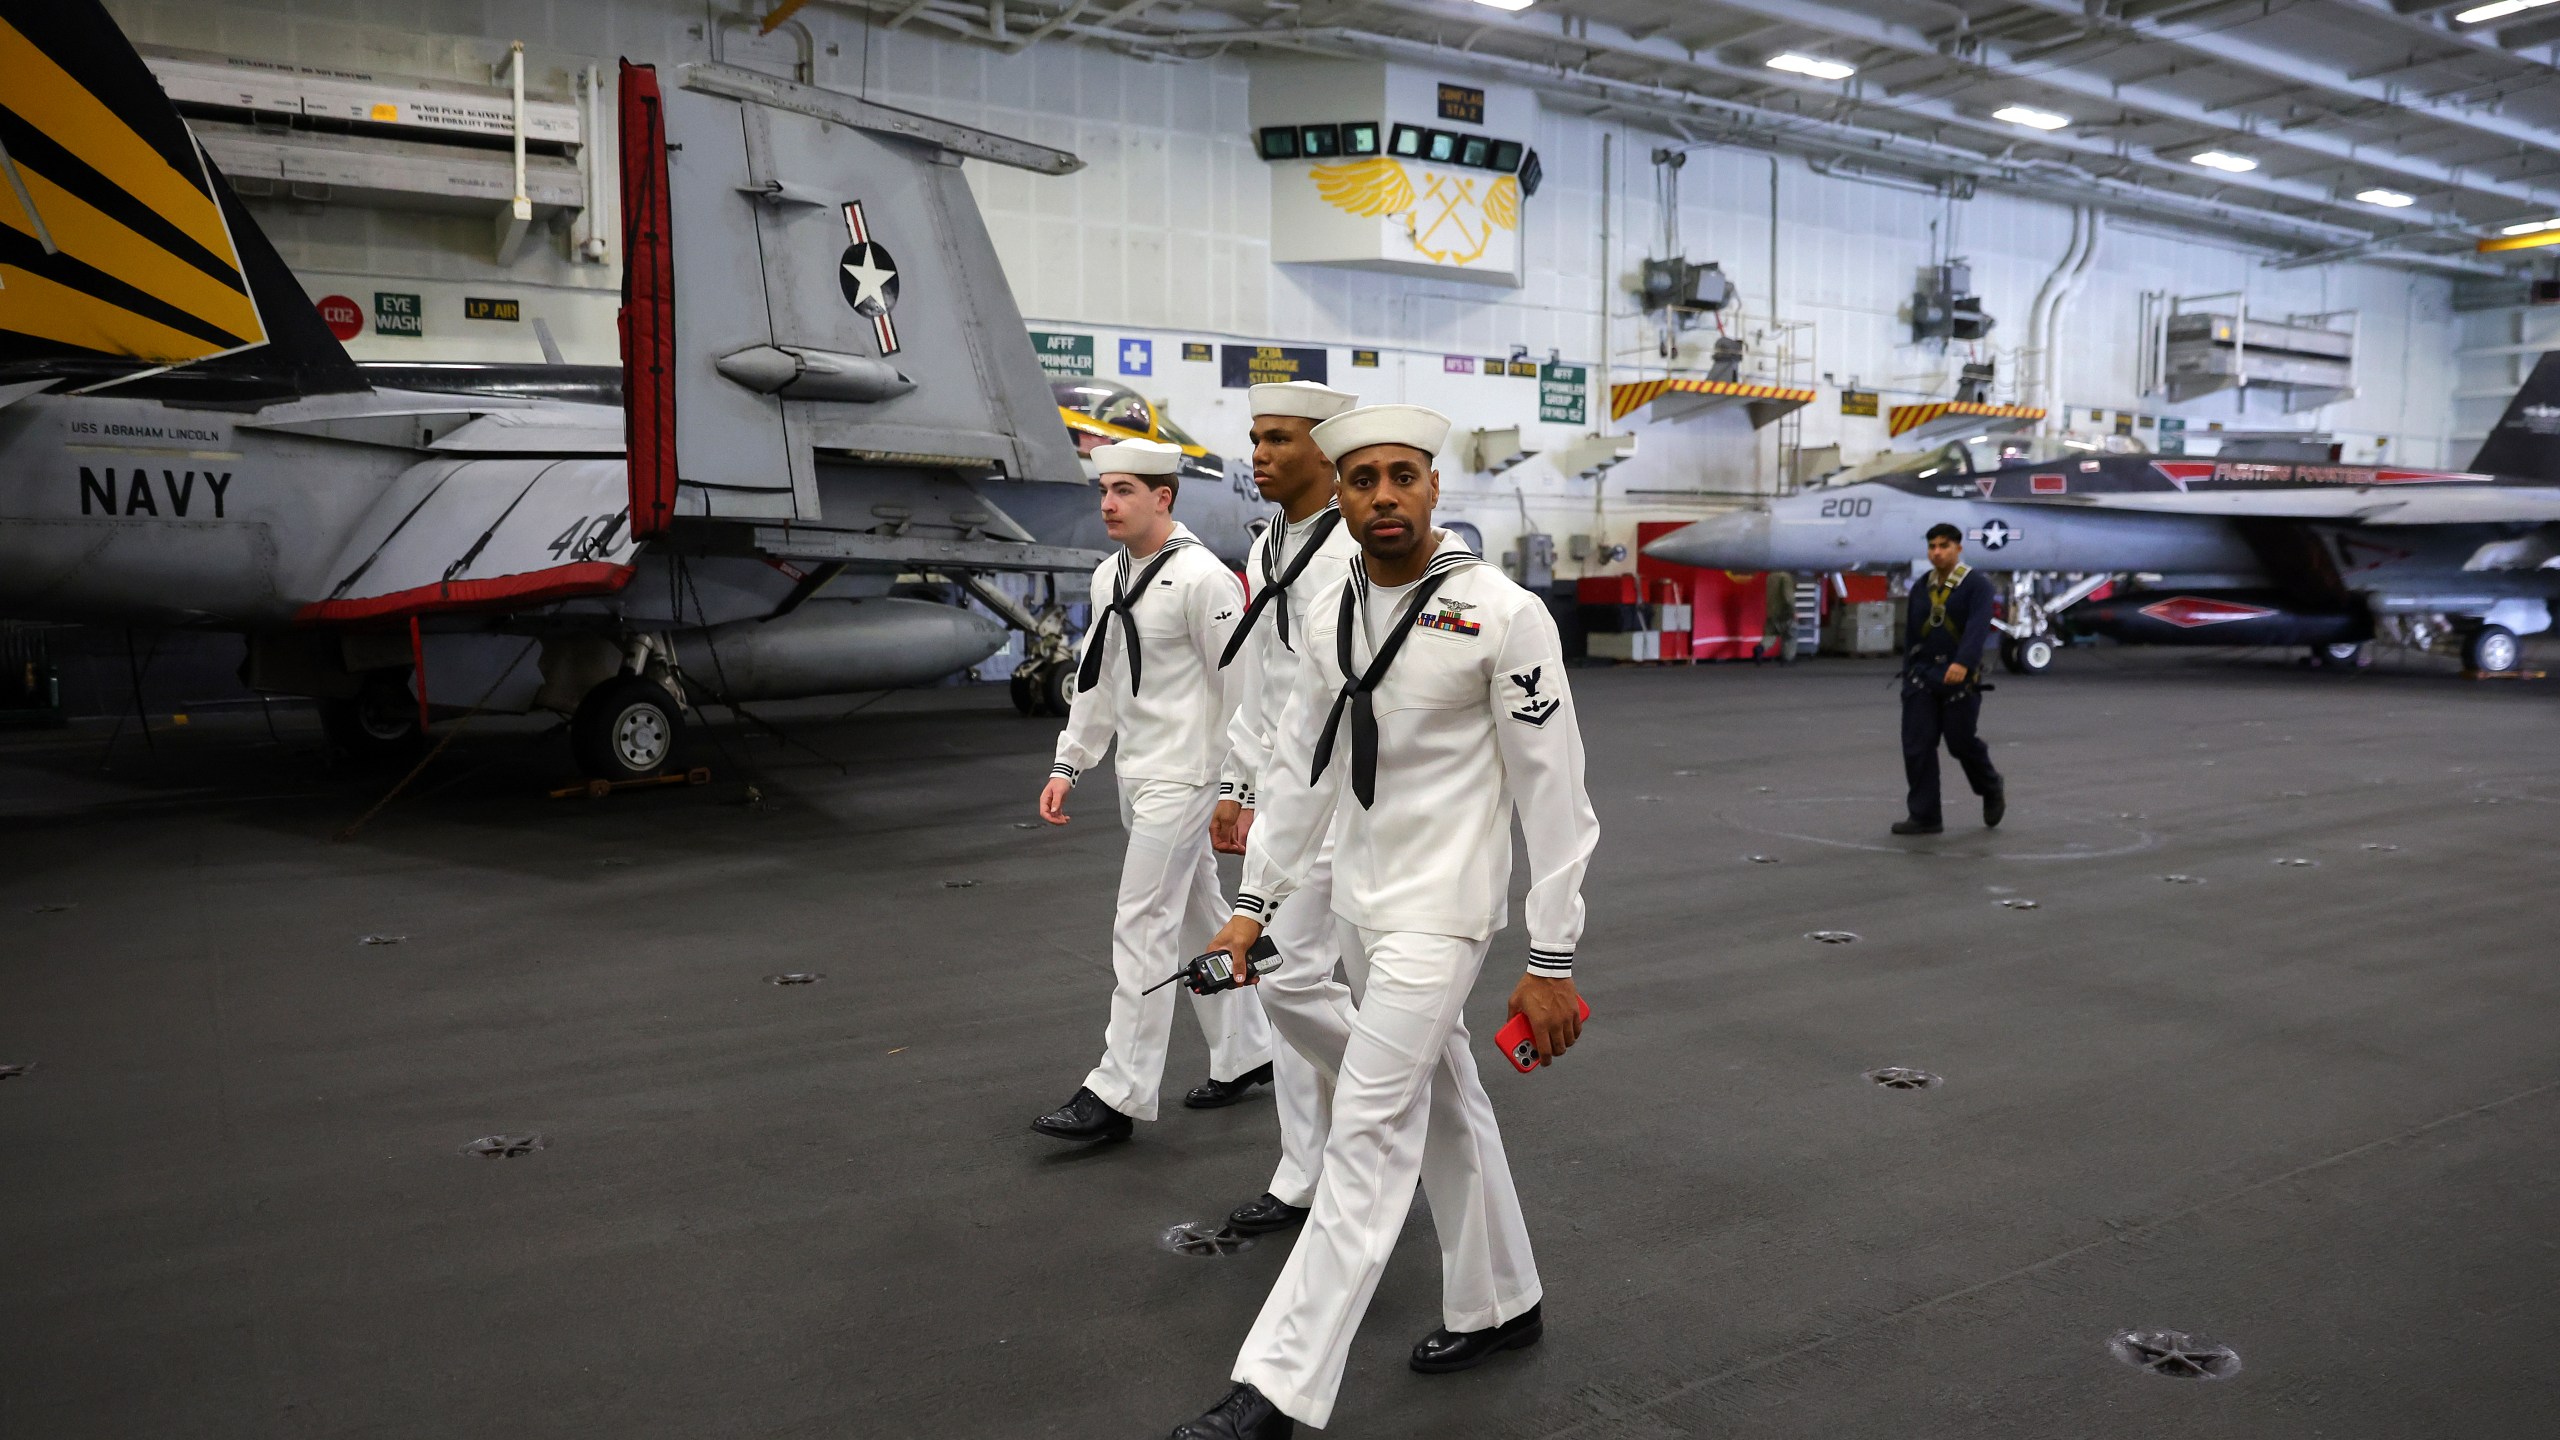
column 869, row 278
column 1449, row 619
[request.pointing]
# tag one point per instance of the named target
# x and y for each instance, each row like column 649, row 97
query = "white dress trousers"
column 1408, row 1105
column 1310, row 1011
column 1170, row 904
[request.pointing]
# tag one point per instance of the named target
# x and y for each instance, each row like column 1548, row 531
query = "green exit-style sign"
column 1563, row 394
column 1063, row 354
column 395, row 314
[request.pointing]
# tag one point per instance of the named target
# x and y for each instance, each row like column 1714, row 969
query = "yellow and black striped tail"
column 122, row 250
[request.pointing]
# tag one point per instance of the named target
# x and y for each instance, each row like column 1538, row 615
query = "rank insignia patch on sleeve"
column 1532, row 710
column 1537, row 712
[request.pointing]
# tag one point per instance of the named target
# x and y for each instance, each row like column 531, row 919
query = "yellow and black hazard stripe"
column 1906, row 418
column 1625, row 400
column 114, row 242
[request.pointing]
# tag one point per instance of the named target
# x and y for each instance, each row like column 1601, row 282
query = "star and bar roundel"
column 869, row 278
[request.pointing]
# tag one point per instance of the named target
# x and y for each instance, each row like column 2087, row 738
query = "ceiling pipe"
column 1047, row 28
column 2385, row 12
column 2049, row 364
column 1911, row 40
column 2222, row 46
column 1758, row 128
column 1796, row 133
column 1618, row 45
column 2033, row 382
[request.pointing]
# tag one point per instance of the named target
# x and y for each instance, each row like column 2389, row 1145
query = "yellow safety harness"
column 1939, row 590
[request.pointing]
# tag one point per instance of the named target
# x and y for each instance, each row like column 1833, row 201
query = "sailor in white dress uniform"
column 1288, row 564
column 1431, row 705
column 1149, row 682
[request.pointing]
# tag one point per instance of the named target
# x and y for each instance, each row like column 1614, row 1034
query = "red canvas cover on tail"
column 648, row 318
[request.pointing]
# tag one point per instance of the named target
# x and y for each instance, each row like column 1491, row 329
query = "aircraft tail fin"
column 2526, row 442
column 123, row 252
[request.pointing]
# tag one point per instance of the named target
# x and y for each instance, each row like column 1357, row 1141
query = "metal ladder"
column 1804, row 626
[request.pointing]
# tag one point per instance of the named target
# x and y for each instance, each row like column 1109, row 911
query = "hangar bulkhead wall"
column 1163, row 248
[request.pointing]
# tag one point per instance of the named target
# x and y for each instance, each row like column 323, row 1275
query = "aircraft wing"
column 2343, row 504
column 484, row 535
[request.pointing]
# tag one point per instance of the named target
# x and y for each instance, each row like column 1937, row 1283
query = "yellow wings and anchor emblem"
column 1450, row 220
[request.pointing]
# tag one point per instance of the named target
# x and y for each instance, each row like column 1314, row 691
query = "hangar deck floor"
column 2309, row 1111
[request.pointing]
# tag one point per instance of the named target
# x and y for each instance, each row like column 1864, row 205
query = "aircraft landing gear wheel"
column 1026, row 691
column 625, row 729
column 378, row 728
column 2009, row 656
column 2036, row 653
column 2340, row 655
column 1058, row 688
column 2490, row 650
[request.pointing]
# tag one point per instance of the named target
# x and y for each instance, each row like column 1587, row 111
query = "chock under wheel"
column 598, row 789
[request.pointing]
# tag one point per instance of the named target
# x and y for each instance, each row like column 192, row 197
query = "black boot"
column 1995, row 803
column 1085, row 1117
column 1218, row 1094
column 1442, row 1351
column 1243, row 1415
column 1918, row 827
column 1264, row 1216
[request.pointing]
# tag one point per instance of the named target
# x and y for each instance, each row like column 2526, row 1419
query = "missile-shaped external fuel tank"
column 836, row 647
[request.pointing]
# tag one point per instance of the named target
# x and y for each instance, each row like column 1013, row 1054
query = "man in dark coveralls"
column 1950, row 617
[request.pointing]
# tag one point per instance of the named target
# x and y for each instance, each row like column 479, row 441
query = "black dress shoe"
column 1918, row 827
column 1995, row 805
column 1216, row 1094
column 1243, row 1415
column 1264, row 1216
column 1085, row 1118
column 1442, row 1351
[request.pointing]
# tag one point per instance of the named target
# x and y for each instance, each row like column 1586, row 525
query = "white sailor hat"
column 1138, row 457
column 1303, row 398
column 1419, row 426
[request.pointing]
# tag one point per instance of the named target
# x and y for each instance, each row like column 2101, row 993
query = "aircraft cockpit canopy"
column 1928, row 471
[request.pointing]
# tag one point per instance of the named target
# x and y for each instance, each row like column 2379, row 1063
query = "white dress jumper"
column 1473, row 721
column 1170, row 730
column 1308, row 1008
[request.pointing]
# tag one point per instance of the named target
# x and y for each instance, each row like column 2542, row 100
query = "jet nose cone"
column 1739, row 541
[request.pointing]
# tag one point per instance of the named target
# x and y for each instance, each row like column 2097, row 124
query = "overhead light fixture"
column 2387, row 199
column 2217, row 160
column 2030, row 117
column 2530, row 226
column 2498, row 11
column 1818, row 68
column 1507, row 4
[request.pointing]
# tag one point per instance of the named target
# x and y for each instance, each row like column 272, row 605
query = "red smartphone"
column 1519, row 1047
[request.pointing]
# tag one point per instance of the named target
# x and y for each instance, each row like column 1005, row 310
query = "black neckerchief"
column 1125, row 595
column 1276, row 583
column 1357, row 684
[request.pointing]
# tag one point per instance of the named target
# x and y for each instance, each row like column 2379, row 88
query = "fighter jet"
column 2222, row 551
column 825, row 386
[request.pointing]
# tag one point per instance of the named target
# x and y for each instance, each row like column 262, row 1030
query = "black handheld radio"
column 1215, row 972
